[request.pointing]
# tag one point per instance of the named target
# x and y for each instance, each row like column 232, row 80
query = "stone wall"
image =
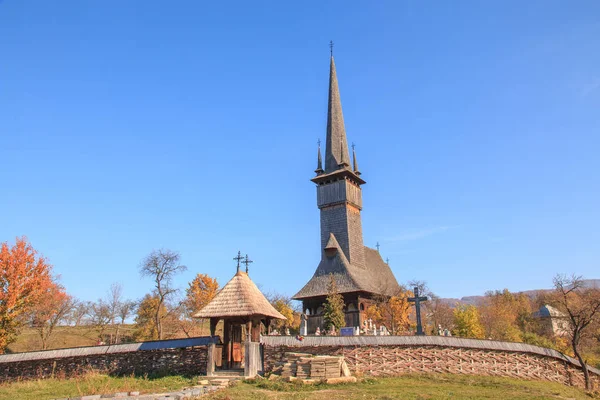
column 389, row 359
column 190, row 360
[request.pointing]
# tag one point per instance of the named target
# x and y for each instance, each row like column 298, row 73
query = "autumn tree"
column 52, row 307
column 99, row 316
column 125, row 309
column 79, row 310
column 391, row 311
column 581, row 306
column 439, row 313
column 113, row 300
column 505, row 315
column 201, row 291
column 333, row 308
column 24, row 278
column 161, row 266
column 283, row 304
column 467, row 322
column 145, row 320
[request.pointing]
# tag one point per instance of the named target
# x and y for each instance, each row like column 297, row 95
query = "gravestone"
column 303, row 325
column 347, row 331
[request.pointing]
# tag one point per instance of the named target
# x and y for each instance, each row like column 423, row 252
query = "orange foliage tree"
column 51, row 308
column 24, row 278
column 283, row 304
column 199, row 293
column 392, row 312
column 504, row 315
column 145, row 320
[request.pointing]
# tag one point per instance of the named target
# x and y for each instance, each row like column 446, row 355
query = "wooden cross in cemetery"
column 417, row 300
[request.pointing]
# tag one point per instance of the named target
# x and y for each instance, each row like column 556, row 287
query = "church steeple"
column 336, row 151
column 358, row 270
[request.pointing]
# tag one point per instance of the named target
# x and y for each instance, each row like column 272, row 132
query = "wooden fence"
column 396, row 355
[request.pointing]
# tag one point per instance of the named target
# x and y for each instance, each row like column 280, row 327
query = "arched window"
column 362, row 307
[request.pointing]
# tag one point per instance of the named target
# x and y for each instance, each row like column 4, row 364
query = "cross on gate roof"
column 247, row 261
column 238, row 259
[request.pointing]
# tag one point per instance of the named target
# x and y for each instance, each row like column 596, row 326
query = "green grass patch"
column 409, row 387
column 90, row 383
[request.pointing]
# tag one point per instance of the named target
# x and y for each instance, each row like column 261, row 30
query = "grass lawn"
column 415, row 387
column 91, row 383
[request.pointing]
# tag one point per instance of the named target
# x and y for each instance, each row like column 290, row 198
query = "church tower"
column 339, row 196
column 359, row 271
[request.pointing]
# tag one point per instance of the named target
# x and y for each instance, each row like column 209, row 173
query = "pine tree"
column 333, row 307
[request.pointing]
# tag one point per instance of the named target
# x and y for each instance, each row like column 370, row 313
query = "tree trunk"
column 584, row 368
column 158, row 324
column 117, row 334
column 44, row 341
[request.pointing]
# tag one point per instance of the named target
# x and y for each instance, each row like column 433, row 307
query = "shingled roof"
column 337, row 148
column 239, row 298
column 376, row 277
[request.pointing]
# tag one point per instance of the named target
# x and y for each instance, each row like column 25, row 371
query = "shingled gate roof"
column 376, row 277
column 239, row 298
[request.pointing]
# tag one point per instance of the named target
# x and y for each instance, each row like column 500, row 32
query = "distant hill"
column 474, row 300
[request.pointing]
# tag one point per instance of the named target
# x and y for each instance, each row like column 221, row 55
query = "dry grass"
column 78, row 336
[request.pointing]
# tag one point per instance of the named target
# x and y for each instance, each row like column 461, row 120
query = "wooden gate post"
column 253, row 360
column 210, row 360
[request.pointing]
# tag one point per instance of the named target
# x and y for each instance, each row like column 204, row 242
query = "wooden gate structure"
column 243, row 309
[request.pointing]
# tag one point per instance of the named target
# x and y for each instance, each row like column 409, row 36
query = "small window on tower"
column 330, row 252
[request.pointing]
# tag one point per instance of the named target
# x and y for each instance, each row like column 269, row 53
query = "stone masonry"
column 186, row 361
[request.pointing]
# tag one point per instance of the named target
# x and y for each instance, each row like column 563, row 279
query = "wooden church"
column 359, row 271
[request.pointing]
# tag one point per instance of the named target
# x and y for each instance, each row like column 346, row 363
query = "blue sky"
column 129, row 126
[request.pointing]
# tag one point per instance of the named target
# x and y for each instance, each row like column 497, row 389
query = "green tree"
column 333, row 313
column 467, row 322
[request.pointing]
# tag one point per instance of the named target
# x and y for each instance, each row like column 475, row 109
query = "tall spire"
column 336, row 152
